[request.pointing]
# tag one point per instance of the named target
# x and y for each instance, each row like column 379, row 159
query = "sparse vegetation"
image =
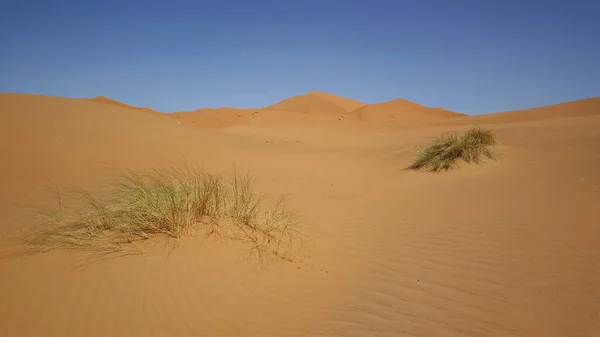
column 445, row 152
column 169, row 202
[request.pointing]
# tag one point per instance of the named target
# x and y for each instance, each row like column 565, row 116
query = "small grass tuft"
column 169, row 202
column 445, row 152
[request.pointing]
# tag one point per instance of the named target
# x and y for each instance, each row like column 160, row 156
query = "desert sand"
column 507, row 248
column 403, row 111
column 317, row 104
column 106, row 100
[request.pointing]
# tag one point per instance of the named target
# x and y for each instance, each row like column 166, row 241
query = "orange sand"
column 106, row 100
column 318, row 104
column 220, row 117
column 403, row 111
column 509, row 248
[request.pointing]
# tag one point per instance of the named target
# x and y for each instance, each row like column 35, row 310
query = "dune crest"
column 400, row 110
column 579, row 108
column 346, row 103
column 106, row 100
column 317, row 103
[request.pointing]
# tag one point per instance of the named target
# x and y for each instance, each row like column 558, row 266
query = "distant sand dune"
column 402, row 111
column 317, row 103
column 578, row 108
column 106, row 100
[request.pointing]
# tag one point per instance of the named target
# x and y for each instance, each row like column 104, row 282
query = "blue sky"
column 464, row 55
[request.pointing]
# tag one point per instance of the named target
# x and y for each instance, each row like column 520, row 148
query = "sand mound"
column 106, row 100
column 346, row 103
column 578, row 108
column 317, row 103
column 403, row 111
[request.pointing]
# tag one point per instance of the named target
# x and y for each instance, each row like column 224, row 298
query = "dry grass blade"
column 445, row 152
column 171, row 202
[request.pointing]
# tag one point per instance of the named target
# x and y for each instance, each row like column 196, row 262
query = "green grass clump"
column 169, row 202
column 445, row 152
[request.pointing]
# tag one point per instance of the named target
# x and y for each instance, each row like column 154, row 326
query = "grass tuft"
column 445, row 152
column 167, row 202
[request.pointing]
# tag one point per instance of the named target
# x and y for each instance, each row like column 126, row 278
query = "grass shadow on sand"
column 445, row 152
column 171, row 203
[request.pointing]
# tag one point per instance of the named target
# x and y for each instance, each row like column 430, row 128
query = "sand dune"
column 578, row 108
column 402, row 111
column 54, row 138
column 508, row 248
column 346, row 103
column 106, row 100
column 317, row 103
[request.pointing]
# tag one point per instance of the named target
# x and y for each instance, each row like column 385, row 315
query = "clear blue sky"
column 471, row 56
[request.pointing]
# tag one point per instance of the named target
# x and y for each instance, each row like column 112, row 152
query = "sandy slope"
column 314, row 104
column 106, row 100
column 345, row 103
column 403, row 111
column 511, row 248
column 578, row 108
column 317, row 103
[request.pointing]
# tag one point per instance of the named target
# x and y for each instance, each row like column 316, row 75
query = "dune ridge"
column 403, row 111
column 572, row 109
column 106, row 100
column 316, row 103
column 576, row 108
